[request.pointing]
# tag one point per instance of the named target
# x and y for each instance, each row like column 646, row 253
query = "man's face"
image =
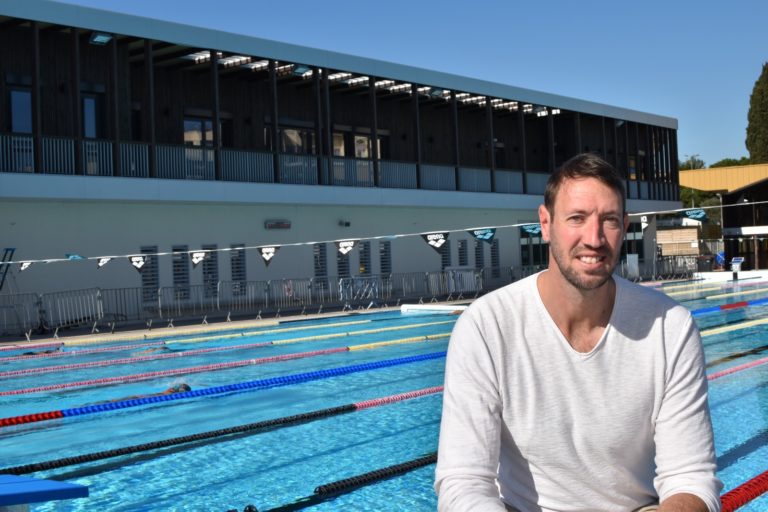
column 585, row 231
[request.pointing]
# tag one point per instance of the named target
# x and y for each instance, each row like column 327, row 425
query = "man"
column 573, row 389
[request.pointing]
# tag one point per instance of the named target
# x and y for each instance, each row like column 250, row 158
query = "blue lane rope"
column 272, row 382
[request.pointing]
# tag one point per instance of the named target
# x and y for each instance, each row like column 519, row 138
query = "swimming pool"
column 273, row 466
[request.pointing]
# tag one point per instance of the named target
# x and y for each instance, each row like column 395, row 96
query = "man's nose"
column 594, row 236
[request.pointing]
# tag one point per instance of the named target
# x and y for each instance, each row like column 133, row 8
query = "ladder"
column 7, row 258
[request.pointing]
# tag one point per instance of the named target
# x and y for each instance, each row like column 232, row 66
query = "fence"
column 95, row 308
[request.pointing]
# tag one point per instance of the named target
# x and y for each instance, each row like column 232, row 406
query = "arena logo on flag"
column 138, row 262
column 197, row 257
column 345, row 246
column 435, row 240
column 485, row 234
column 267, row 253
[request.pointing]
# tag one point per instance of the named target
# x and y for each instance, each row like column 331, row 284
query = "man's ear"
column 545, row 222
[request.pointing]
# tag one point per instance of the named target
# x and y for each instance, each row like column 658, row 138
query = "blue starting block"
column 21, row 490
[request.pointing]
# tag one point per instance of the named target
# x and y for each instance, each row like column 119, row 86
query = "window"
column 297, row 141
column 338, row 144
column 198, row 132
column 385, row 258
column 463, row 254
column 150, row 275
column 495, row 262
column 479, row 254
column 180, row 271
column 210, row 270
column 362, row 146
column 365, row 259
column 321, row 265
column 342, row 264
column 445, row 255
column 93, row 115
column 237, row 268
column 21, row 110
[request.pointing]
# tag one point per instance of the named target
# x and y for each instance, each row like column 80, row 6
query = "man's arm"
column 683, row 502
column 685, row 452
column 468, row 454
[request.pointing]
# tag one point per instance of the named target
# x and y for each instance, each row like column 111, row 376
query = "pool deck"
column 131, row 333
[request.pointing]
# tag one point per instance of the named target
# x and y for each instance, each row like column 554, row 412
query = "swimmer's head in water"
column 180, row 388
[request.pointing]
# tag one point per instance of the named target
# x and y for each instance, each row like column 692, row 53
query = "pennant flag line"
column 24, row 265
column 138, row 262
column 486, row 234
column 103, row 261
column 197, row 257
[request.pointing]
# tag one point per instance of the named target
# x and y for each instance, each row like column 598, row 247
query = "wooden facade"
column 139, row 107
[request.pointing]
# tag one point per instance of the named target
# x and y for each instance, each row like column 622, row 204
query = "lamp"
column 100, row 38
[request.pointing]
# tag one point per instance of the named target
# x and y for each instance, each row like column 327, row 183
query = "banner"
column 530, row 230
column 436, row 240
column 485, row 234
column 197, row 257
column 267, row 253
column 696, row 214
column 345, row 246
column 138, row 262
column 102, row 262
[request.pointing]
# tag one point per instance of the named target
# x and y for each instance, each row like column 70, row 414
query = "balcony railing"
column 250, row 166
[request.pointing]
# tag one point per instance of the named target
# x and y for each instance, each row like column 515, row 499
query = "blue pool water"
column 277, row 467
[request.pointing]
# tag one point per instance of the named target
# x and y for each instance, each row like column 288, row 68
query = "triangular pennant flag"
column 531, row 229
column 103, row 261
column 436, row 240
column 24, row 265
column 138, row 262
column 73, row 257
column 485, row 234
column 197, row 257
column 345, row 246
column 267, row 253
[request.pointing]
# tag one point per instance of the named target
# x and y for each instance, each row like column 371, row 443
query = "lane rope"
column 734, row 327
column 81, row 352
column 250, row 428
column 228, row 388
column 744, row 493
column 738, row 368
column 193, row 369
column 30, row 346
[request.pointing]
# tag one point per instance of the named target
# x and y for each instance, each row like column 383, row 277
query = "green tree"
column 731, row 162
column 757, row 120
column 693, row 162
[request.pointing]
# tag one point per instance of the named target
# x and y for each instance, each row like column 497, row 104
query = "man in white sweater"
column 573, row 389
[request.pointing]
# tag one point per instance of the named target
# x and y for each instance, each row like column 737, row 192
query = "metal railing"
column 185, row 163
column 97, row 157
column 247, row 166
column 16, row 153
column 474, row 180
column 351, row 172
column 22, row 313
column 298, row 169
column 397, row 174
column 134, row 159
column 58, row 155
column 667, row 267
column 438, row 177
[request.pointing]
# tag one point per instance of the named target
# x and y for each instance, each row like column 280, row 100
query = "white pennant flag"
column 138, row 262
column 103, row 261
column 197, row 257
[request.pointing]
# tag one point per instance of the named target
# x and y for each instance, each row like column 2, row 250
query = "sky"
column 695, row 61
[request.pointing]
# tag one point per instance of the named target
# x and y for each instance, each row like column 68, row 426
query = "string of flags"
column 435, row 239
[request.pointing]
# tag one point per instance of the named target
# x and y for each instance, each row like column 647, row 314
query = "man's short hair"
column 583, row 166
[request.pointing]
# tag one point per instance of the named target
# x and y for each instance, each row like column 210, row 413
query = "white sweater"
column 619, row 427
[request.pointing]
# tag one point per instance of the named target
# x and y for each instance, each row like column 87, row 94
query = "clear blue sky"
column 696, row 61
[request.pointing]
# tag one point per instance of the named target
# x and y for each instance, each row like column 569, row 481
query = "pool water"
column 274, row 468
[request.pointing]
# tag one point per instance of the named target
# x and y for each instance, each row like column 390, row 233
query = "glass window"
column 445, row 255
column 362, row 146
column 365, row 258
column 237, row 268
column 150, row 274
column 479, row 254
column 180, row 271
column 297, row 141
column 198, row 132
column 21, row 110
column 385, row 258
column 93, row 111
column 495, row 260
column 338, row 144
column 463, row 254
column 210, row 270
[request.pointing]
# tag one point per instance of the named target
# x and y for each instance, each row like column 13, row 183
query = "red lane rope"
column 166, row 373
column 396, row 398
column 6, row 348
column 738, row 368
column 126, row 360
column 746, row 492
column 82, row 351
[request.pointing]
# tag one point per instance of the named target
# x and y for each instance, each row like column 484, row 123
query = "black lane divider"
column 738, row 355
column 251, row 428
column 332, row 490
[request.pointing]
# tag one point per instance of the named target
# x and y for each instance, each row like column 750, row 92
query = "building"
column 743, row 194
column 127, row 136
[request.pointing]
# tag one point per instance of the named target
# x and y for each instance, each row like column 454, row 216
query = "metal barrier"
column 298, row 169
column 71, row 308
column 19, row 313
column 134, row 159
column 397, row 174
column 97, row 158
column 16, row 153
column 58, row 155
column 247, row 166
